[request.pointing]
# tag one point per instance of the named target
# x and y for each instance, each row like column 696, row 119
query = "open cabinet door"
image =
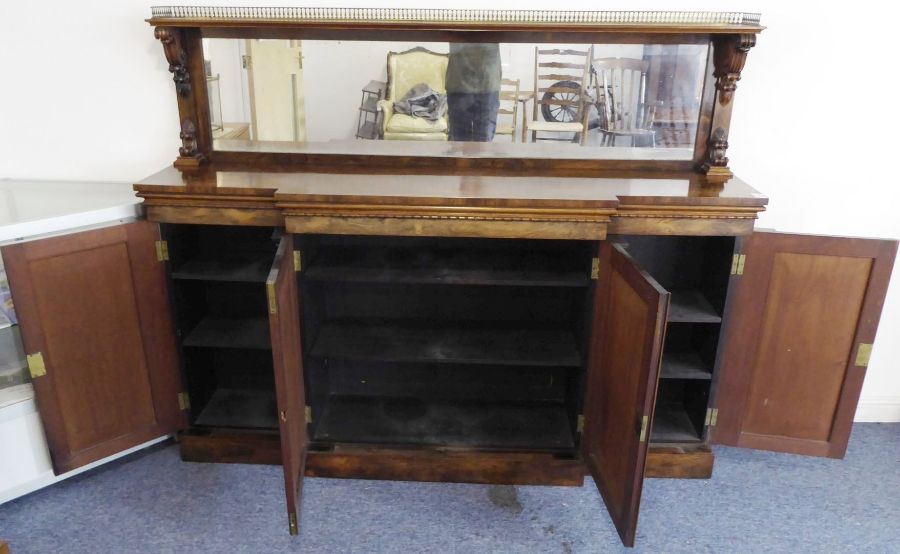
column 623, row 369
column 97, row 327
column 801, row 325
column 284, row 324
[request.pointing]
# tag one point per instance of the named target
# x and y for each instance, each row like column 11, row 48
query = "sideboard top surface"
column 596, row 192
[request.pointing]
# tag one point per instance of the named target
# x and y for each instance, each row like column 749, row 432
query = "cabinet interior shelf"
column 227, row 332
column 422, row 422
column 691, row 306
column 684, row 365
column 671, row 423
column 463, row 343
column 241, row 270
column 449, row 267
column 240, row 408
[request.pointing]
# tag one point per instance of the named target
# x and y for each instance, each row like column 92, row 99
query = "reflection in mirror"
column 578, row 101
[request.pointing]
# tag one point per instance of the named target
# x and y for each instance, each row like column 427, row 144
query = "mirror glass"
column 578, row 101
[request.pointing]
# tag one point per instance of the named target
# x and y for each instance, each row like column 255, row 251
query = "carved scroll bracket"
column 729, row 56
column 177, row 58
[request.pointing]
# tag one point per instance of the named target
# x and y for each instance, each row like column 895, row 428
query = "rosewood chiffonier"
column 519, row 311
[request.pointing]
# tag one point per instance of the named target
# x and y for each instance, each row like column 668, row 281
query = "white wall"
column 225, row 57
column 89, row 97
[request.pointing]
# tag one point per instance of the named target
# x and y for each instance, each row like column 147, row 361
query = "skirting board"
column 25, row 462
column 881, row 409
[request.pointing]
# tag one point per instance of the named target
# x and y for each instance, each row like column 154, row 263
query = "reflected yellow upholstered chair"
column 406, row 70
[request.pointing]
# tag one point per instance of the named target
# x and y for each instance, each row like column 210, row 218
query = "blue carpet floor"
column 152, row 502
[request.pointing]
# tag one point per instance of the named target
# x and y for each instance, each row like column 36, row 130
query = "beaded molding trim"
column 387, row 15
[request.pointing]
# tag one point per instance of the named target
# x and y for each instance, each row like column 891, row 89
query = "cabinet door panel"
column 95, row 306
column 627, row 337
column 284, row 324
column 790, row 380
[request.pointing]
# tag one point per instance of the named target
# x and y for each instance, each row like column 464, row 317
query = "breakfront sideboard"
column 521, row 312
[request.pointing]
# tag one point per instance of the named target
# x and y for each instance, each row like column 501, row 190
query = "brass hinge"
column 737, row 264
column 297, row 264
column 283, row 415
column 162, row 251
column 711, row 415
column 579, row 427
column 595, row 268
column 308, row 412
column 863, row 354
column 643, row 436
column 292, row 523
column 36, row 365
column 270, row 294
column 184, row 401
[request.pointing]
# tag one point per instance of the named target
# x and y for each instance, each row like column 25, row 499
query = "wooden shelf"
column 241, row 270
column 240, row 408
column 690, row 306
column 221, row 332
column 684, row 365
column 370, row 104
column 463, row 343
column 672, row 424
column 447, row 267
column 410, row 421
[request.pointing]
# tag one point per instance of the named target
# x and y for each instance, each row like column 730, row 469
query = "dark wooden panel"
column 684, row 365
column 671, row 423
column 95, row 305
column 243, row 408
column 230, row 446
column 679, row 462
column 629, row 325
column 449, row 266
column 287, row 357
column 224, row 269
column 691, row 306
column 477, row 343
column 460, row 466
column 428, row 422
column 357, row 462
column 790, row 381
column 225, row 332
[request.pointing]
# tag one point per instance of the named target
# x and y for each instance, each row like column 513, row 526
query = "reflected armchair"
column 406, row 70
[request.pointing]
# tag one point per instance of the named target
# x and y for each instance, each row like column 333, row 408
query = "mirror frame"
column 181, row 29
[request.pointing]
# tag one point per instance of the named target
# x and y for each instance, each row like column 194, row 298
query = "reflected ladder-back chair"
column 406, row 70
column 621, row 89
column 509, row 106
column 560, row 82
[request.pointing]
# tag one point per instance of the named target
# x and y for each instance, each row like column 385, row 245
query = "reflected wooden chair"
column 560, row 82
column 509, row 106
column 621, row 89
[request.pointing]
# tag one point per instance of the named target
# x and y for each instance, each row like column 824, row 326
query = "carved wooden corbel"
column 729, row 56
column 177, row 58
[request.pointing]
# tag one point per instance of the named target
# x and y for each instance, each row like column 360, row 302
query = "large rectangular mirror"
column 575, row 101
